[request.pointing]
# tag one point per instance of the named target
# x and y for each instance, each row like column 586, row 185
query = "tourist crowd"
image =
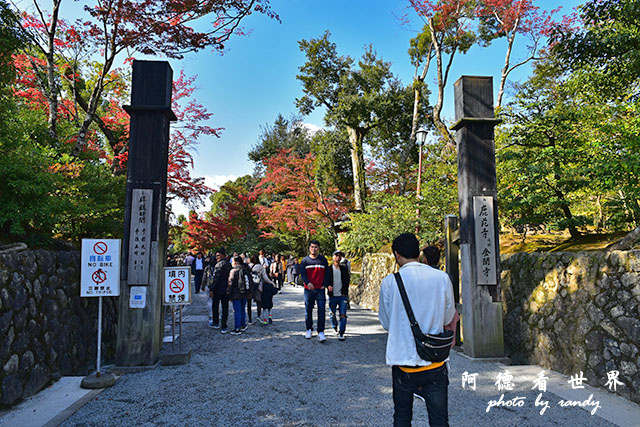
column 240, row 280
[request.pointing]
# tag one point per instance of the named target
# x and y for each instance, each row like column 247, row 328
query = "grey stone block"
column 175, row 358
column 94, row 382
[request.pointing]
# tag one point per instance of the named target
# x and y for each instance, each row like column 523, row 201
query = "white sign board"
column 100, row 271
column 140, row 237
column 485, row 240
column 177, row 286
column 138, row 297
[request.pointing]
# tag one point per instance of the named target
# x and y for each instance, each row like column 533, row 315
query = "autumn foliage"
column 298, row 205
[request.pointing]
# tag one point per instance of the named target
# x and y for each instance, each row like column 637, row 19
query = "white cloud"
column 213, row 181
column 313, row 129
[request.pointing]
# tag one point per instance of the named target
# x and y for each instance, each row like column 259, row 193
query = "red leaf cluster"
column 298, row 204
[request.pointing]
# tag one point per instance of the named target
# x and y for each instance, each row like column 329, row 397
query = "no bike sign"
column 177, row 289
column 100, row 272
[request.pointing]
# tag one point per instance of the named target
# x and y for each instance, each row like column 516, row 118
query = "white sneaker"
column 308, row 334
column 321, row 337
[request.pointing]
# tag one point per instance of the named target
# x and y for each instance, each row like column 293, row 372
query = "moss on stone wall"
column 574, row 312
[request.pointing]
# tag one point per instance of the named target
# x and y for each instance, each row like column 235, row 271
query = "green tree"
column 356, row 99
column 542, row 157
column 283, row 134
column 333, row 159
column 565, row 158
column 604, row 49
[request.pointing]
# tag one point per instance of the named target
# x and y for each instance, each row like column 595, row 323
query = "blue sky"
column 255, row 79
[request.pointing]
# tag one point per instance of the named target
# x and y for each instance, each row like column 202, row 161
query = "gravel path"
column 272, row 376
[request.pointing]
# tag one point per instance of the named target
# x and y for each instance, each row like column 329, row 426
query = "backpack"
column 245, row 282
column 257, row 280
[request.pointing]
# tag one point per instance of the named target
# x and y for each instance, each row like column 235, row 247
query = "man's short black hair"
column 431, row 255
column 406, row 245
column 221, row 251
column 314, row 242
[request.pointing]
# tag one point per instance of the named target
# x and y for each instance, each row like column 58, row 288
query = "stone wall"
column 46, row 329
column 569, row 312
column 374, row 268
column 574, row 312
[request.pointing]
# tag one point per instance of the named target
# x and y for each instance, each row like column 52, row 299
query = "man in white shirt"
column 430, row 294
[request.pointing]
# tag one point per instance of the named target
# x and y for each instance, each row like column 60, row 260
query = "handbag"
column 432, row 348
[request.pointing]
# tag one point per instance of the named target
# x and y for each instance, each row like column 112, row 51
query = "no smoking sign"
column 100, row 272
column 177, row 289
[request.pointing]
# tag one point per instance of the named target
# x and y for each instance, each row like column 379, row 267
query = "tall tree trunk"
column 418, row 80
column 507, row 61
column 441, row 80
column 52, row 90
column 356, row 135
column 505, row 69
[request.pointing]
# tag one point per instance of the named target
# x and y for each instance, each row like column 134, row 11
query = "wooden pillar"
column 477, row 196
column 140, row 330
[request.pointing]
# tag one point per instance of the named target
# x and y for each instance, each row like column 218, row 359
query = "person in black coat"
column 218, row 292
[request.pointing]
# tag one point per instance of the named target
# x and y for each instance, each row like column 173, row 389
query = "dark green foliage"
column 283, row 134
column 605, row 51
column 11, row 39
column 565, row 158
column 333, row 159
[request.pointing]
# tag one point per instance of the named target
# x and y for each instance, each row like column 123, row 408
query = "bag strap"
column 405, row 300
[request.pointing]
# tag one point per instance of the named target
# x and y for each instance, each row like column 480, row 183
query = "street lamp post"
column 421, row 137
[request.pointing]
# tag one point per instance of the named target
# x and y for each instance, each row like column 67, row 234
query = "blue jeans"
column 431, row 385
column 239, row 313
column 310, row 299
column 339, row 303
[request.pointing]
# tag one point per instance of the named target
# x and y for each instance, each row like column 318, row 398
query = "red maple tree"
column 297, row 201
column 234, row 220
column 114, row 27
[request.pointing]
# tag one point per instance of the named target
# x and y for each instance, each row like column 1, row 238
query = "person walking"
column 431, row 256
column 264, row 260
column 313, row 269
column 430, row 294
column 275, row 271
column 268, row 291
column 297, row 277
column 338, row 289
column 290, row 266
column 218, row 292
column 260, row 277
column 197, row 269
column 239, row 290
column 188, row 260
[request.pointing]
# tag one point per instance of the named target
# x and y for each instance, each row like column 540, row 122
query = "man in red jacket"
column 313, row 269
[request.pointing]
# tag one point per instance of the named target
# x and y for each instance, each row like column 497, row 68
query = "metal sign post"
column 99, row 276
column 99, row 336
column 176, row 293
column 181, row 327
column 173, row 327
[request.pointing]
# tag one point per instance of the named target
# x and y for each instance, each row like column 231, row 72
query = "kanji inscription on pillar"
column 140, row 237
column 485, row 240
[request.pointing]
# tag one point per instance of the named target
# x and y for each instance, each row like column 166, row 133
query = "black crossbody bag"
column 432, row 348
